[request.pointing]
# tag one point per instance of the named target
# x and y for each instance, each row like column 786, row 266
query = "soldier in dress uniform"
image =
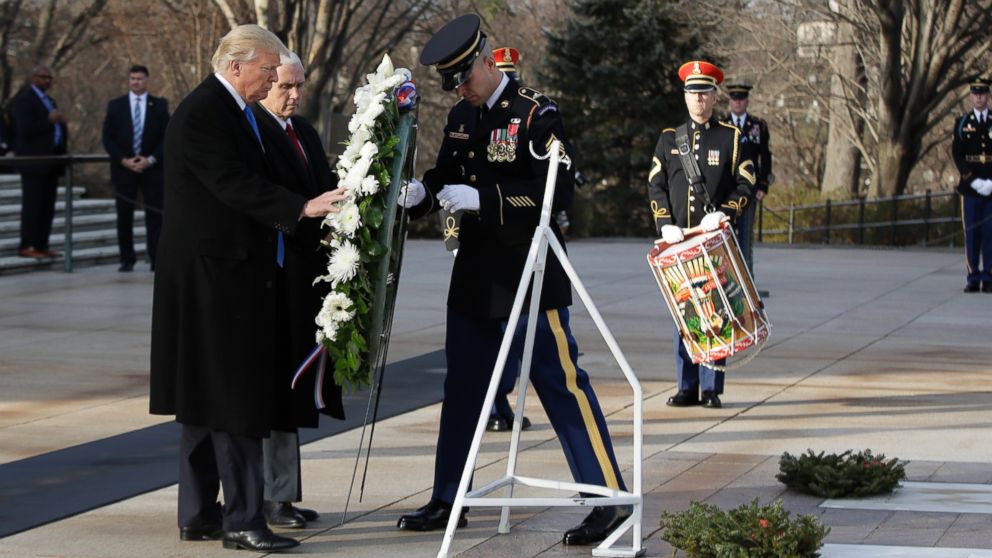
column 754, row 139
column 728, row 179
column 972, row 149
column 487, row 167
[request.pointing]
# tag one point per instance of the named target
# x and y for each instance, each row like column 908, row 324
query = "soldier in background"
column 972, row 149
column 754, row 139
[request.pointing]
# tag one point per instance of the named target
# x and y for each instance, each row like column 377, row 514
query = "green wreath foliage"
column 748, row 531
column 845, row 475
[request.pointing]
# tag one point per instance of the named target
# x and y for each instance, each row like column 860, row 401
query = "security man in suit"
column 754, row 138
column 729, row 178
column 486, row 167
column 297, row 160
column 972, row 149
column 39, row 129
column 134, row 137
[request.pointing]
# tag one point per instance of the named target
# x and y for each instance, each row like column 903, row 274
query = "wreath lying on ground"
column 835, row 476
column 750, row 530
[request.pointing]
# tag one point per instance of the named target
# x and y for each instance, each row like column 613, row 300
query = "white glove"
column 672, row 234
column 985, row 186
column 411, row 194
column 456, row 197
column 976, row 184
column 711, row 221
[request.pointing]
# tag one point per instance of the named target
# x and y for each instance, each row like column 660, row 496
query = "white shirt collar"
column 234, row 92
column 143, row 97
column 499, row 91
column 742, row 118
column 983, row 115
column 274, row 115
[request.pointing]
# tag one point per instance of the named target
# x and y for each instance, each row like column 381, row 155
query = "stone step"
column 79, row 207
column 13, row 194
column 80, row 240
column 79, row 223
column 80, row 258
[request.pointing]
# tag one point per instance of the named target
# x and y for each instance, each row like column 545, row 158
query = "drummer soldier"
column 727, row 181
column 754, row 138
column 972, row 149
column 492, row 165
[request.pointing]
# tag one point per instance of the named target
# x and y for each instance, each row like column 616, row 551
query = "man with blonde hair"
column 214, row 310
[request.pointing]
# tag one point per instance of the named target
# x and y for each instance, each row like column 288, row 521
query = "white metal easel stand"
column 534, row 274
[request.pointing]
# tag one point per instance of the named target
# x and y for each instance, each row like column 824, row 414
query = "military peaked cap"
column 453, row 50
column 980, row 85
column 700, row 76
column 738, row 91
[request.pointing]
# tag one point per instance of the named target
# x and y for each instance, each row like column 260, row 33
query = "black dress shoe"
column 711, row 400
column 258, row 540
column 987, row 287
column 126, row 267
column 431, row 517
column 971, row 288
column 683, row 399
column 201, row 533
column 281, row 514
column 597, row 525
column 308, row 515
column 500, row 423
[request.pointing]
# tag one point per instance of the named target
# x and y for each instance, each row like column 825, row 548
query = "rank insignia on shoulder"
column 713, row 157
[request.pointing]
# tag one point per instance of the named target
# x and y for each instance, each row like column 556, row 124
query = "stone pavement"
column 870, row 349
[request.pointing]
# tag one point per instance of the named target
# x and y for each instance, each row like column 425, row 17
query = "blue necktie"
column 281, row 241
column 50, row 106
column 136, row 121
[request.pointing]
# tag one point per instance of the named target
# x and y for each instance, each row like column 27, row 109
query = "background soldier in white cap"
column 486, row 168
column 727, row 177
column 972, row 149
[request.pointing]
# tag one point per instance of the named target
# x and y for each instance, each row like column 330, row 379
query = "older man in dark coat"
column 213, row 322
column 296, row 157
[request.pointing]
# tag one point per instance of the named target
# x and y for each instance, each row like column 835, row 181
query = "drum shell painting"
column 711, row 295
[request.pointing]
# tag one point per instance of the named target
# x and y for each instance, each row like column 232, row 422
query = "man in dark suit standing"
column 214, row 324
column 39, row 130
column 134, row 137
column 297, row 160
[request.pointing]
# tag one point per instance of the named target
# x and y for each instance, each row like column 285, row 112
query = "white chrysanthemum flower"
column 369, row 186
column 339, row 307
column 347, row 220
column 344, row 262
column 368, row 150
column 368, row 117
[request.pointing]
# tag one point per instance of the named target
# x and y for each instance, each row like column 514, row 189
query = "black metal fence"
column 69, row 162
column 930, row 219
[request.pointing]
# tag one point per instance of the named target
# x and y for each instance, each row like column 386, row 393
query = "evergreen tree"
column 613, row 70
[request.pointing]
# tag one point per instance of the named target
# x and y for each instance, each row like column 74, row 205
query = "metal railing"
column 70, row 161
column 896, row 221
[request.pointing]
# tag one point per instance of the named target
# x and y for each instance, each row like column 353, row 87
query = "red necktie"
column 295, row 140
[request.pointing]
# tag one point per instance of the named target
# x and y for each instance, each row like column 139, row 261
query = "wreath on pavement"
column 845, row 475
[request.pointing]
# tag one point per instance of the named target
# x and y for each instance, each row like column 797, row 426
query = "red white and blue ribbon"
column 318, row 385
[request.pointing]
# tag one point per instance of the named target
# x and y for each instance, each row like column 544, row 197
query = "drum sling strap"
column 691, row 168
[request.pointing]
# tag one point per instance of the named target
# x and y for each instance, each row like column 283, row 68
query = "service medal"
column 713, row 157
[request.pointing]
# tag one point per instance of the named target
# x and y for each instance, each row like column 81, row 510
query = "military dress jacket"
column 972, row 150
column 493, row 150
column 755, row 144
column 728, row 174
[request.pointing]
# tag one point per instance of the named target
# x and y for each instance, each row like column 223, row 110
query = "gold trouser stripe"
column 582, row 401
column 964, row 226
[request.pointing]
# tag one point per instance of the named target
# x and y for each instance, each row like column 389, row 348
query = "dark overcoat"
column 493, row 150
column 213, row 316
column 299, row 299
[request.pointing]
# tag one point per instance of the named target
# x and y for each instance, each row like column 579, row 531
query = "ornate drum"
column 711, row 295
